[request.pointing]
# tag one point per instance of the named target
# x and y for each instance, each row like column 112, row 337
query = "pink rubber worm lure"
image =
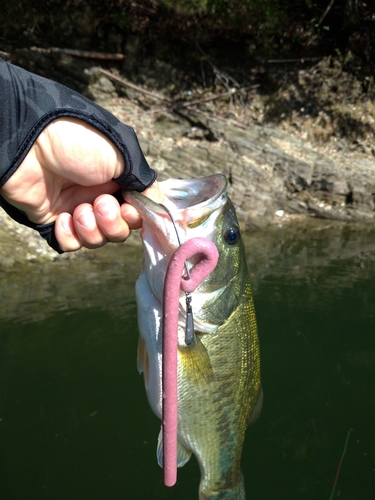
column 174, row 281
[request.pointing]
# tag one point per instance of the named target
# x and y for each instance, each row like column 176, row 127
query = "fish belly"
column 149, row 359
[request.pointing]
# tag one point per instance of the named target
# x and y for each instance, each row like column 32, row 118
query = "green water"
column 74, row 420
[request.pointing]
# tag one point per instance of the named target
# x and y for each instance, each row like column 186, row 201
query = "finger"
column 131, row 216
column 87, row 228
column 109, row 218
column 65, row 233
column 154, row 193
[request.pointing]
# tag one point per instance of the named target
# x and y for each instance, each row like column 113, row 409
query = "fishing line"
column 340, row 464
column 189, row 325
column 351, row 431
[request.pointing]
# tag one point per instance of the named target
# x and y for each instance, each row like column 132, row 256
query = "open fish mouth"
column 189, row 206
column 194, row 193
column 192, row 203
column 195, row 196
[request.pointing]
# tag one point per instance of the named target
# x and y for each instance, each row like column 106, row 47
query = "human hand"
column 66, row 178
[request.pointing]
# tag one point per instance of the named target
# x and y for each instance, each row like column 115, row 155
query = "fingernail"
column 86, row 218
column 106, row 209
column 65, row 225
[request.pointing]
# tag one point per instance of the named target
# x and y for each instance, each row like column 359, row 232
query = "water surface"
column 74, row 420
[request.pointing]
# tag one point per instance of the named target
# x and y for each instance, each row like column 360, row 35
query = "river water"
column 74, row 420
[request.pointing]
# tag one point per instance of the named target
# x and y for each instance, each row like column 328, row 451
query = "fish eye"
column 232, row 236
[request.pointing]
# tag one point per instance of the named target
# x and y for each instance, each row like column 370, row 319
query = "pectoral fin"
column 257, row 408
column 196, row 363
column 183, row 454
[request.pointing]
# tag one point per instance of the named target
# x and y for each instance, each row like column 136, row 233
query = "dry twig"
column 87, row 54
column 90, row 55
column 126, row 83
column 329, row 7
column 174, row 104
column 214, row 97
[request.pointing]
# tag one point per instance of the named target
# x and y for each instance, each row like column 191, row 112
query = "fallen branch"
column 176, row 105
column 329, row 7
column 86, row 54
column 214, row 97
column 89, row 54
column 319, row 23
column 224, row 78
column 299, row 60
column 126, row 83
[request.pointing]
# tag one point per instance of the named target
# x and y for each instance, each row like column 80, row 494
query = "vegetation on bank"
column 310, row 24
column 308, row 65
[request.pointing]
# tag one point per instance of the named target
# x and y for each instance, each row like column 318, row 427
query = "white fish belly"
column 149, row 324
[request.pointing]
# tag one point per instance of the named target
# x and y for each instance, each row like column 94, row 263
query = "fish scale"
column 219, row 386
column 233, row 395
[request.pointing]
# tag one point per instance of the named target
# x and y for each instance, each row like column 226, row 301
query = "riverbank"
column 295, row 139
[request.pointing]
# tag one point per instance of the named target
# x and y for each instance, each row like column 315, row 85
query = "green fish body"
column 219, row 388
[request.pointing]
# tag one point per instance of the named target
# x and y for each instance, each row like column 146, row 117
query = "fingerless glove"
column 28, row 103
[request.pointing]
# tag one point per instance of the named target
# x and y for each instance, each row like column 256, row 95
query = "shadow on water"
column 74, row 421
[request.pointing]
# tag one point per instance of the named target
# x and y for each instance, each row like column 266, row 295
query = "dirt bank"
column 295, row 138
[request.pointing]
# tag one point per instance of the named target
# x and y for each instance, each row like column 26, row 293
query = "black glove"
column 28, row 103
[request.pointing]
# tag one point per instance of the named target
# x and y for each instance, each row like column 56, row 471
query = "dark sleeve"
column 28, row 103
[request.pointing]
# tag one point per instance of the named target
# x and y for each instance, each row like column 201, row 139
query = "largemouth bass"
column 219, row 388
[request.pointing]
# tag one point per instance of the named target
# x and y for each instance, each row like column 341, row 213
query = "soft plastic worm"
column 174, row 281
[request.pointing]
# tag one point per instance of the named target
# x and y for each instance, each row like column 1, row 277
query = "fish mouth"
column 194, row 197
column 190, row 208
column 194, row 193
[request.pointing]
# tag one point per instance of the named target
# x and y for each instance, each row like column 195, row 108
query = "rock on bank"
column 269, row 170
